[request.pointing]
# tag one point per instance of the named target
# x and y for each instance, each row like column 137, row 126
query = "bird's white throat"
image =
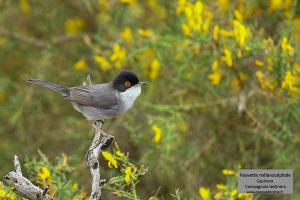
column 129, row 96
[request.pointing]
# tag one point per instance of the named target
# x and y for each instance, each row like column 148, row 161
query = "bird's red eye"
column 127, row 84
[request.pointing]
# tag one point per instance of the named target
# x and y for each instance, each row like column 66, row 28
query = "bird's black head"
column 125, row 80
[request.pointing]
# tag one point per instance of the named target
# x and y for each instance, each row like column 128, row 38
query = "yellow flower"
column 128, row 2
column 275, row 5
column 75, row 186
column 290, row 82
column 126, row 34
column 227, row 57
column 157, row 133
column 197, row 18
column 25, row 7
column 259, row 74
column 198, row 8
column 216, row 31
column 215, row 77
column 204, row 193
column 3, row 193
column 206, row 25
column 219, row 196
column 186, row 29
column 103, row 63
column 215, row 65
column 118, row 56
column 223, row 4
column 228, row 172
column 44, row 173
column 154, row 69
column 245, row 196
column 146, row 33
column 80, row 65
column 6, row 194
column 264, row 83
column 120, row 154
column 112, row 162
column 188, row 12
column 233, row 193
column 241, row 33
column 286, row 47
column 296, row 67
column 238, row 15
column 181, row 5
column 74, row 25
column 238, row 80
column 259, row 63
column 129, row 175
column 225, row 33
column 221, row 187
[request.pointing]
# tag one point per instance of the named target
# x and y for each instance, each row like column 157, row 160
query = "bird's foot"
column 98, row 123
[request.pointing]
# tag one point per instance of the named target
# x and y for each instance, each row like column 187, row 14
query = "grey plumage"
column 96, row 101
column 58, row 88
column 100, row 101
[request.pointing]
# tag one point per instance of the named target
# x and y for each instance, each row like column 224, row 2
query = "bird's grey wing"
column 99, row 96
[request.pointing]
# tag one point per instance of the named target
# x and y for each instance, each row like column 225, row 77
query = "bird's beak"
column 142, row 83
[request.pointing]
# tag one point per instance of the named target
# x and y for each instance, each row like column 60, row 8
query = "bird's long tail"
column 64, row 91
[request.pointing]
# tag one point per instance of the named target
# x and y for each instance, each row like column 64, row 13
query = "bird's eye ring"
column 127, row 84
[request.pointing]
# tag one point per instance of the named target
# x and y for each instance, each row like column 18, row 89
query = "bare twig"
column 92, row 157
column 22, row 186
column 17, row 165
column 93, row 153
column 67, row 38
column 39, row 43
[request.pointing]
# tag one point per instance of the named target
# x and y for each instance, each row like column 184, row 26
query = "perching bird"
column 100, row 101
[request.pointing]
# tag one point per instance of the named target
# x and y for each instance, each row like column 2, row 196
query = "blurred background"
column 223, row 89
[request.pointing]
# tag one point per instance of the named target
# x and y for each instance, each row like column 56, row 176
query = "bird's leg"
column 96, row 124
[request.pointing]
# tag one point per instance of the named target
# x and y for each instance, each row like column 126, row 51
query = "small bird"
column 100, row 101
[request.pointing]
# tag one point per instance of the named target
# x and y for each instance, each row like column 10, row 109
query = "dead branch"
column 22, row 186
column 92, row 156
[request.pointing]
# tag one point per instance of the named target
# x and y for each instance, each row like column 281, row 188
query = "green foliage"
column 223, row 89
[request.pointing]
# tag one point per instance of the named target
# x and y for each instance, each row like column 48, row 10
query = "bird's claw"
column 98, row 123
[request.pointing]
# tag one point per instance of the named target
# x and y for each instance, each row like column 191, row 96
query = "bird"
column 100, row 101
